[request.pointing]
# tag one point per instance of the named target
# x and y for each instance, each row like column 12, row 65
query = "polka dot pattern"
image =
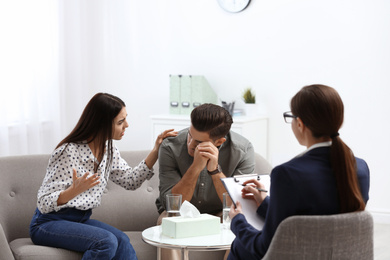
column 79, row 156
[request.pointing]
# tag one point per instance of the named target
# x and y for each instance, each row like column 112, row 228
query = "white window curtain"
column 29, row 77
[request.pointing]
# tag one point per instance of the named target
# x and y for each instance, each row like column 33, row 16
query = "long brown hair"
column 95, row 124
column 321, row 110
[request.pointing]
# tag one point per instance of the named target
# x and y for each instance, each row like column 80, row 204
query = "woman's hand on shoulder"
column 153, row 155
column 163, row 135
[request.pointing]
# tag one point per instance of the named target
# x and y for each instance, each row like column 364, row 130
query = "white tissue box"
column 180, row 227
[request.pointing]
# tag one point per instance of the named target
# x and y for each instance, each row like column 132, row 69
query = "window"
column 29, row 100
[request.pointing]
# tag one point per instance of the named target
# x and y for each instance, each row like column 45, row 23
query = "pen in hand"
column 259, row 189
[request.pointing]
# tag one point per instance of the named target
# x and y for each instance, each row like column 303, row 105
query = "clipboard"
column 233, row 186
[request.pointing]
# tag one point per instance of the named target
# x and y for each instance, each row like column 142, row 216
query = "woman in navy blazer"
column 326, row 179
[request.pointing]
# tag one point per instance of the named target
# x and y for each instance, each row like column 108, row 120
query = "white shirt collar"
column 322, row 144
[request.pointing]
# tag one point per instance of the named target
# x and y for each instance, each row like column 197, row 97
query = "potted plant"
column 249, row 97
column 250, row 102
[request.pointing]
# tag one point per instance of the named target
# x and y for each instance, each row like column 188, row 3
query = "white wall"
column 129, row 48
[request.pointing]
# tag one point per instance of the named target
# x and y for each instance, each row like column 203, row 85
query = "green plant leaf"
column 248, row 96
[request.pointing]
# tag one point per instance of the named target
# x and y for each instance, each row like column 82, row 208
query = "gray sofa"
column 130, row 211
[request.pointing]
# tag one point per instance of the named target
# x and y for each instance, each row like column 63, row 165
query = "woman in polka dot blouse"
column 77, row 175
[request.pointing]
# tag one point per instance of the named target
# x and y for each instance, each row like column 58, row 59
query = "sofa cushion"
column 24, row 249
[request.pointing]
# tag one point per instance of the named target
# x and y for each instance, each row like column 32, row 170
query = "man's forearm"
column 219, row 187
column 186, row 186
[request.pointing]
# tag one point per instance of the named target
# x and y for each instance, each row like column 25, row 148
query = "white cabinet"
column 254, row 128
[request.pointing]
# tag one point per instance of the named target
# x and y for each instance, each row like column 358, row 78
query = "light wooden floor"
column 381, row 241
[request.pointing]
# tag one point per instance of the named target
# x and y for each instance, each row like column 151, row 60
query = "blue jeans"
column 74, row 230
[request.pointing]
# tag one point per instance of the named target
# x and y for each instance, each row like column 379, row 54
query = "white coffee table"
column 222, row 241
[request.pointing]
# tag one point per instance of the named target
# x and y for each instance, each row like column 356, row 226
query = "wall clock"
column 233, row 6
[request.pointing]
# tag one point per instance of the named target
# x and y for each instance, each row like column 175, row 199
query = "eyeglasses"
column 288, row 117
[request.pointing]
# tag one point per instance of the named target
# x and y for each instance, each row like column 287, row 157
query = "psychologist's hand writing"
column 250, row 191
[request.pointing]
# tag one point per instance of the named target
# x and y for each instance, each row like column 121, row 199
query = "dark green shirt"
column 236, row 157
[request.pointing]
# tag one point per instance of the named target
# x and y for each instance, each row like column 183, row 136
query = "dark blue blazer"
column 303, row 186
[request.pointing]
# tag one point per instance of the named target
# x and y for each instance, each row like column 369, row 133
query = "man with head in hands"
column 193, row 162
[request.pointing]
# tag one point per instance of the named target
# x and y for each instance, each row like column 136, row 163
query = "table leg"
column 158, row 253
column 184, row 254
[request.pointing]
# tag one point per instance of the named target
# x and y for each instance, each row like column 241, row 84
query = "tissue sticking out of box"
column 190, row 223
column 187, row 210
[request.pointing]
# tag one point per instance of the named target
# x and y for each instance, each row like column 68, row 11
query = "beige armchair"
column 340, row 236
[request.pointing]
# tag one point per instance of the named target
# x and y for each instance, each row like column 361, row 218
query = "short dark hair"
column 213, row 119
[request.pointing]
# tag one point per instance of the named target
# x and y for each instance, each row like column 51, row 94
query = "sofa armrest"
column 6, row 253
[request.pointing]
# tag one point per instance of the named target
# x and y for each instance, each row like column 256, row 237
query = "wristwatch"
column 218, row 170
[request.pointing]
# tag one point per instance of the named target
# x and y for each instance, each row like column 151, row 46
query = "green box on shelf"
column 188, row 92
